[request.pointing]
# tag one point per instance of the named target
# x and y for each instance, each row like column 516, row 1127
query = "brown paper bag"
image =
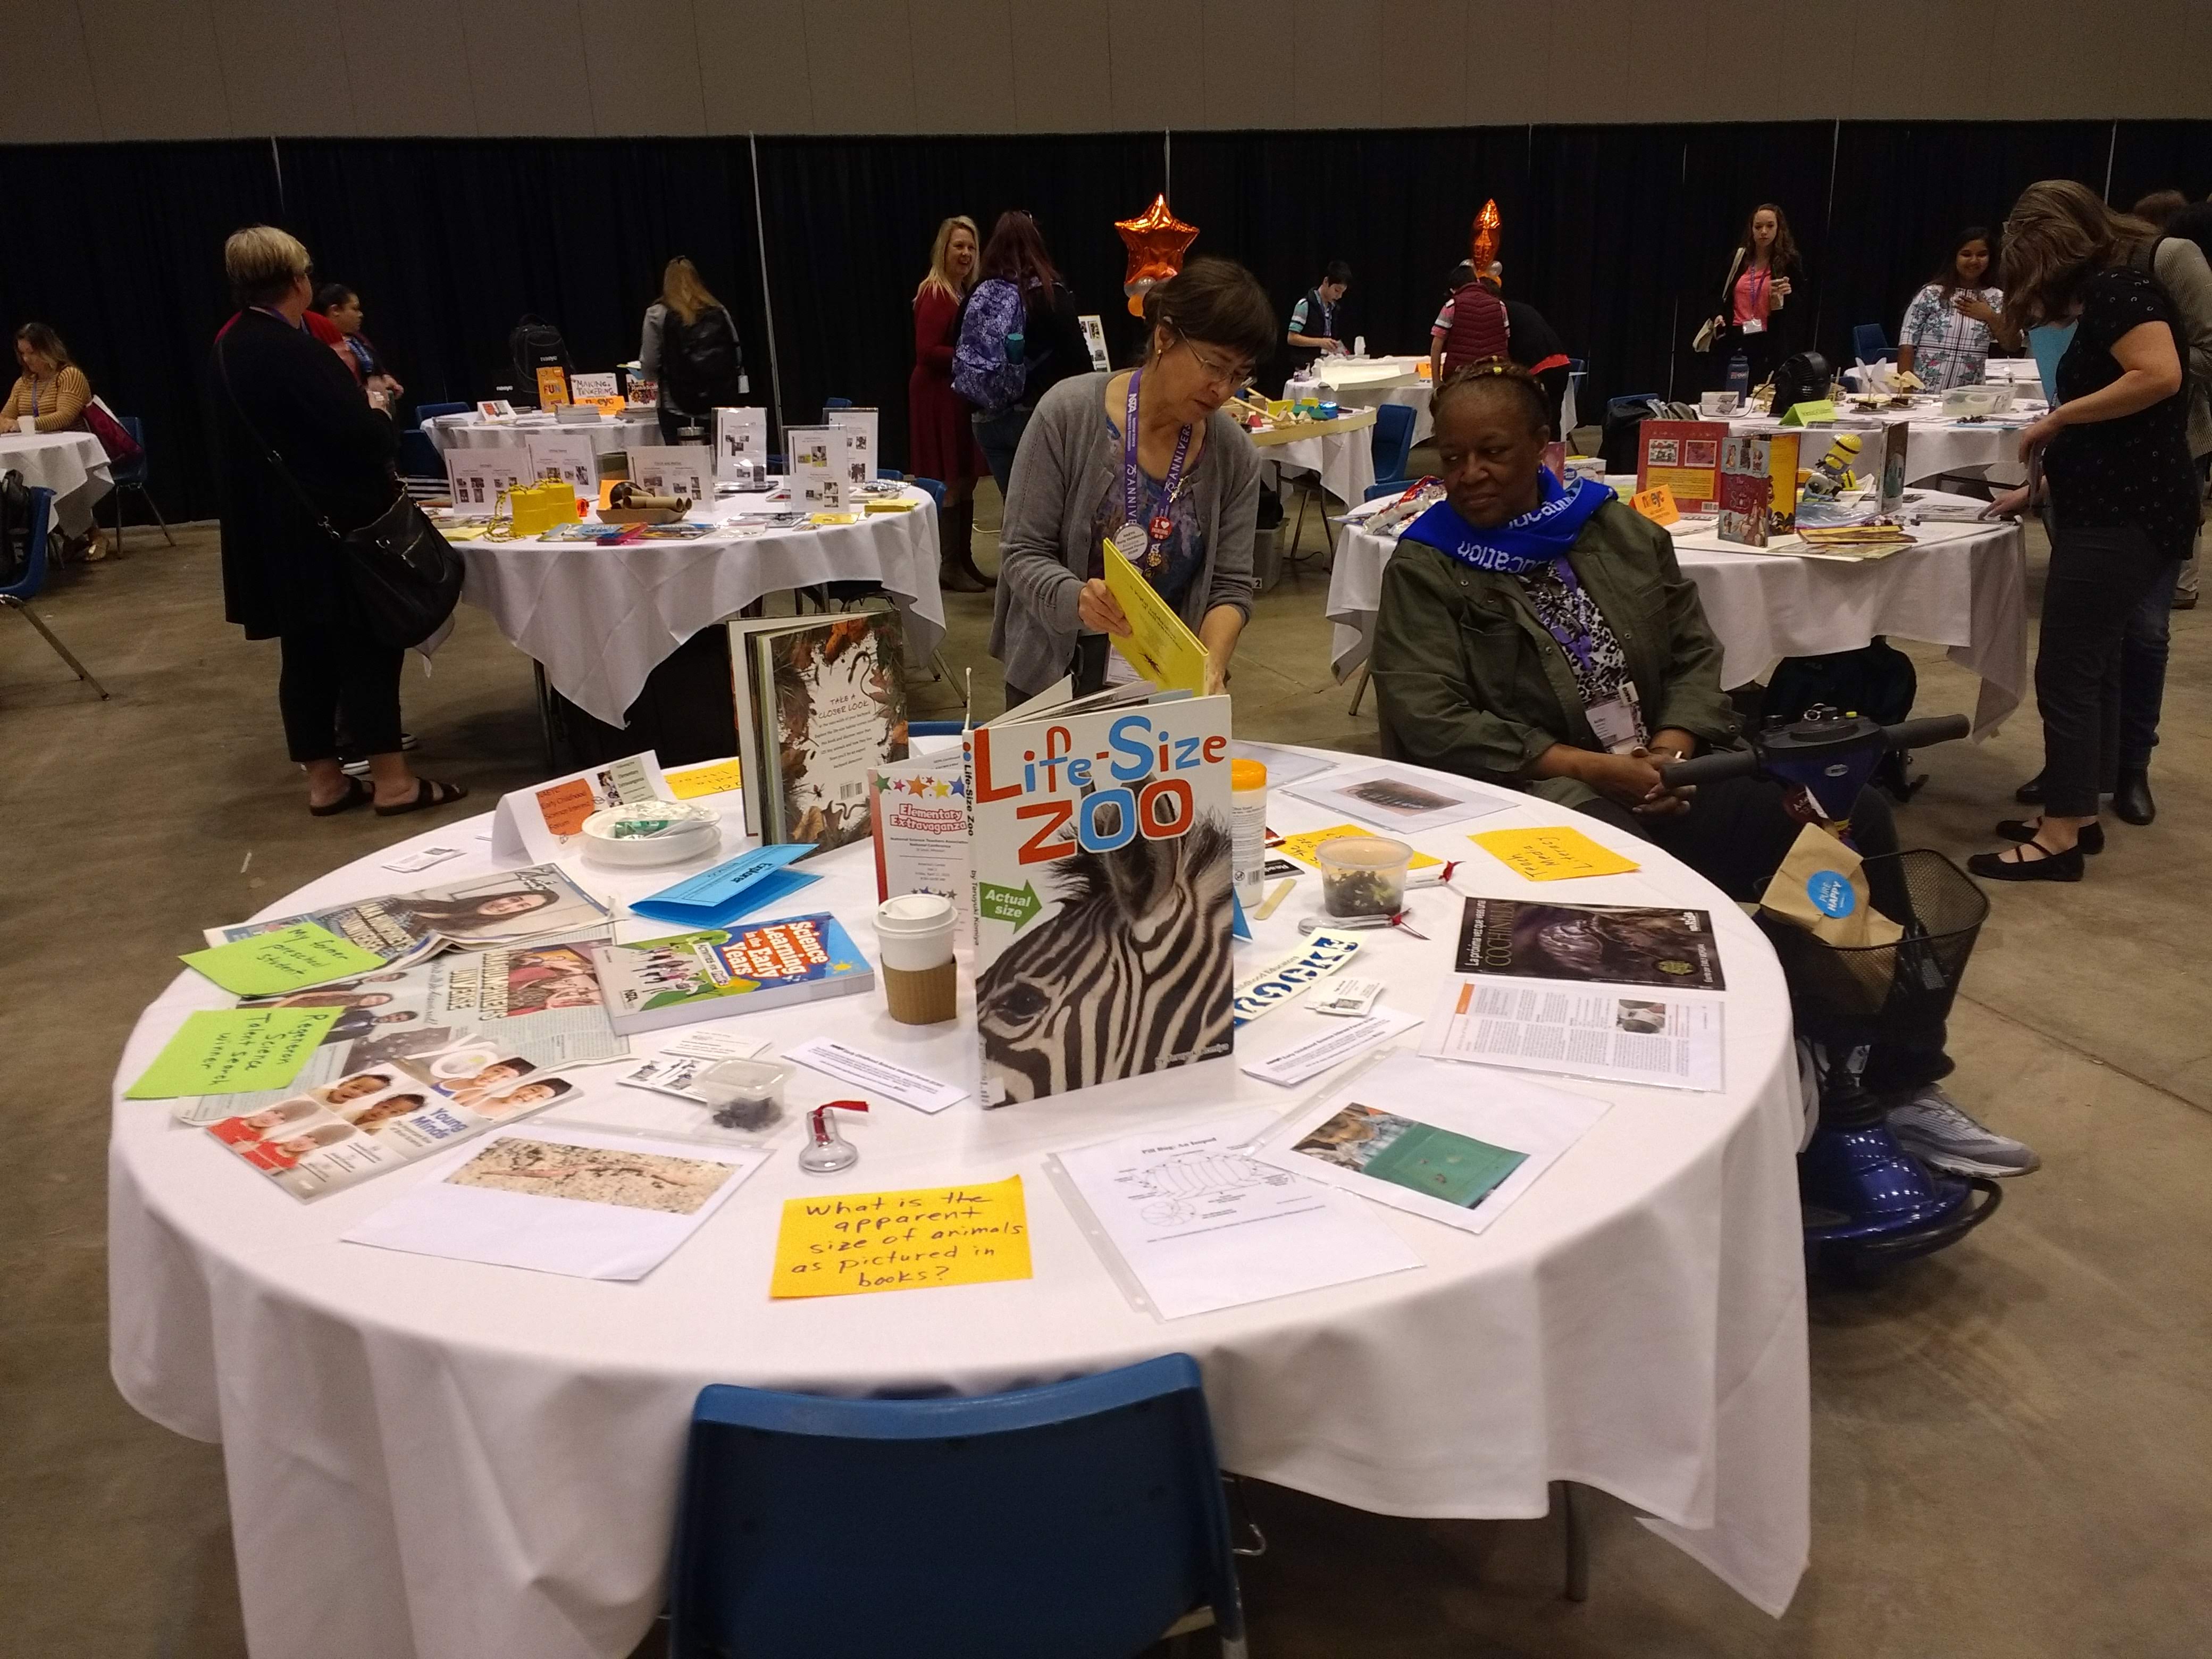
column 1822, row 887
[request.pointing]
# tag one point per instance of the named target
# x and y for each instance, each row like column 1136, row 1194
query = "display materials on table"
column 1306, row 844
column 322, row 1139
column 741, row 446
column 583, row 388
column 234, row 1049
column 918, row 818
column 1285, row 981
column 290, row 959
column 821, row 704
column 569, row 456
column 1590, row 944
column 1303, row 1061
column 720, row 971
column 547, row 819
column 820, row 474
column 1551, row 853
column 1189, row 1222
column 684, row 469
column 1758, row 487
column 1101, row 837
column 860, row 426
column 1408, row 1133
column 1534, row 1025
column 923, row 1238
column 1284, row 766
column 576, row 1202
column 731, row 891
column 476, row 478
column 1396, row 798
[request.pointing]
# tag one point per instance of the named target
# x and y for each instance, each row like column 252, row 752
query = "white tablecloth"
column 1343, row 461
column 600, row 619
column 1370, row 382
column 471, row 432
column 433, row 1460
column 1965, row 587
column 71, row 463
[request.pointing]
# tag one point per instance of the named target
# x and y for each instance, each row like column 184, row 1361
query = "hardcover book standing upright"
column 1759, row 487
column 821, row 704
column 1685, row 457
column 1103, row 920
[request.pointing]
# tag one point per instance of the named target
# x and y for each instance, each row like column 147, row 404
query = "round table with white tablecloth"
column 1341, row 452
column 1965, row 587
column 1936, row 447
column 600, row 619
column 71, row 463
column 483, row 432
column 432, row 1459
column 1370, row 382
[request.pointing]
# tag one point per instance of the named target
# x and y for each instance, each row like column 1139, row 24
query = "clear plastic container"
column 1363, row 875
column 745, row 1094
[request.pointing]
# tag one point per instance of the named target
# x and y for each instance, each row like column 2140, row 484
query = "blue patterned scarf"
column 1540, row 535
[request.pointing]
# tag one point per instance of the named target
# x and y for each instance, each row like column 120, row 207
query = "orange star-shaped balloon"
column 1156, row 240
column 1485, row 237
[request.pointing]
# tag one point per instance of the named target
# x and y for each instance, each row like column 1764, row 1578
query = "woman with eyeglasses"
column 1148, row 460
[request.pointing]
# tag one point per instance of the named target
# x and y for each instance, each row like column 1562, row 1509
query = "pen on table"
column 1352, row 924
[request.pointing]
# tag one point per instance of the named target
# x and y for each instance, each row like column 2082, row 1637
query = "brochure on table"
column 476, row 478
column 821, row 469
column 1430, row 1138
column 582, row 1202
column 1600, row 944
column 546, row 820
column 918, row 823
column 860, row 426
column 741, row 444
column 685, row 469
column 1537, row 1025
column 569, row 456
column 1398, row 801
column 1189, row 1222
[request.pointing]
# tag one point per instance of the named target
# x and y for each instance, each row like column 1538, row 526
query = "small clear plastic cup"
column 1363, row 875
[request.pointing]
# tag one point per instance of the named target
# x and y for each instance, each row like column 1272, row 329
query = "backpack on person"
column 535, row 344
column 990, row 365
column 701, row 361
column 1480, row 328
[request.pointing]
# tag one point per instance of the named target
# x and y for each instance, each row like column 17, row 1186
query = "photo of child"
column 381, row 1112
column 256, row 1126
column 285, row 1153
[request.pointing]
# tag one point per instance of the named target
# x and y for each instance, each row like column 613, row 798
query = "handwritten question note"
column 1557, row 853
column 921, row 1238
column 226, row 1051
column 290, row 959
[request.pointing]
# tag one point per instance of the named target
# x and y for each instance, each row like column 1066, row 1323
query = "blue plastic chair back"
column 419, row 457
column 1393, row 440
column 131, row 474
column 1626, row 401
column 1868, row 345
column 828, row 403
column 936, row 490
column 27, row 586
column 777, row 464
column 1079, row 1520
column 431, row 412
column 933, row 728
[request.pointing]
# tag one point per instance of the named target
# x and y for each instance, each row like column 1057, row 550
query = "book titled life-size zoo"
column 1099, row 834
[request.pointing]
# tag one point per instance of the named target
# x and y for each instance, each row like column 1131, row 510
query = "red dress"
column 940, row 443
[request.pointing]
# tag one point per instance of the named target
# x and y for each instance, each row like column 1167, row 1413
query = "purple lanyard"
column 1576, row 645
column 1159, row 529
column 1766, row 279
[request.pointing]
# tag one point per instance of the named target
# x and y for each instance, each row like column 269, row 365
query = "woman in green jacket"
column 1541, row 636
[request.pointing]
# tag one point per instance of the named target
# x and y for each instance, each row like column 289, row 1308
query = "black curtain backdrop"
column 1618, row 234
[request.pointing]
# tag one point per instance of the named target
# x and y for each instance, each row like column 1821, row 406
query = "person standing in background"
column 1019, row 325
column 1313, row 331
column 1473, row 327
column 1754, row 318
column 1945, row 339
column 299, row 443
column 342, row 307
column 691, row 346
column 2114, row 449
column 1535, row 345
column 2171, row 211
column 940, row 441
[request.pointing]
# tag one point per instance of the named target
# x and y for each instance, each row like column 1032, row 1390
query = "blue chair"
column 132, row 475
column 431, row 412
column 934, row 728
column 828, row 403
column 1089, row 1519
column 419, row 456
column 1394, row 445
column 778, row 465
column 1869, row 344
column 19, row 594
column 928, row 487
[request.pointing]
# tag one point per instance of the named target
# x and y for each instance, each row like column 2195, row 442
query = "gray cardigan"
column 1068, row 459
column 2180, row 266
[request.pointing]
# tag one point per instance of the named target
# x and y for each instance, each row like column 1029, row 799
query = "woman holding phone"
column 1754, row 318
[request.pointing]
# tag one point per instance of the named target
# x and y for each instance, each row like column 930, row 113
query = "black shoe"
column 2091, row 840
column 2030, row 793
column 1995, row 866
column 2131, row 798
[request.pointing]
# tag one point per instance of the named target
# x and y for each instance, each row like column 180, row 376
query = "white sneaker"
column 1931, row 1127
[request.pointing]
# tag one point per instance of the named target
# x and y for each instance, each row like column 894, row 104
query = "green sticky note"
column 1805, row 414
column 226, row 1051
column 290, row 959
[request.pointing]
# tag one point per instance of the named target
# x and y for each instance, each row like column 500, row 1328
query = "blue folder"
column 733, row 889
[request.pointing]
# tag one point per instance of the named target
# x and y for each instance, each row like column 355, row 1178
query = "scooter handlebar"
column 1726, row 763
column 1921, row 733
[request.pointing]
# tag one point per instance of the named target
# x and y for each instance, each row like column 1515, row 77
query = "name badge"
column 1754, row 326
column 1619, row 722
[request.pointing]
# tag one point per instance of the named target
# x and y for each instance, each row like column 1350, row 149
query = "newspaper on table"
column 539, row 1001
column 507, row 907
column 1537, row 1025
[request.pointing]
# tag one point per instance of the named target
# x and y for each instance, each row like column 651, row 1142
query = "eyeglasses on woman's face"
column 1228, row 374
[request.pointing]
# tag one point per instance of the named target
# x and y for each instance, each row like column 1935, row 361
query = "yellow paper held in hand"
column 1553, row 855
column 923, row 1237
column 1160, row 645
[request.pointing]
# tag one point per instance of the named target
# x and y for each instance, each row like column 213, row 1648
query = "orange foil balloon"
column 1156, row 240
column 1485, row 237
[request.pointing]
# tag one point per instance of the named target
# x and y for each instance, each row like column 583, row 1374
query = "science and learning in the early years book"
column 1100, row 831
column 715, row 972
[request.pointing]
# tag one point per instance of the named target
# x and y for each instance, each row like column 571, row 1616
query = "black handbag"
column 404, row 578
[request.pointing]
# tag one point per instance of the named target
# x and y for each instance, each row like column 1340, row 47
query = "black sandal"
column 1995, row 866
column 2092, row 839
column 427, row 792
column 357, row 793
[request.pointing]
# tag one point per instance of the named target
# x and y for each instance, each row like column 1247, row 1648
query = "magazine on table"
column 319, row 1140
column 507, row 907
column 1595, row 943
column 1397, row 799
column 1534, row 1025
column 541, row 1001
column 821, row 703
column 1100, row 830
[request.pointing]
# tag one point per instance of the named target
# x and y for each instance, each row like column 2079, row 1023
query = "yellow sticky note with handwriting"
column 1301, row 847
column 1656, row 504
column 851, row 1243
column 1160, row 645
column 715, row 778
column 1551, row 854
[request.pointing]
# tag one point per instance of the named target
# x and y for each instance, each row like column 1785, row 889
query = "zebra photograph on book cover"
column 1103, row 917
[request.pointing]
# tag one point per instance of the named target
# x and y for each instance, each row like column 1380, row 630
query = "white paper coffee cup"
column 915, row 935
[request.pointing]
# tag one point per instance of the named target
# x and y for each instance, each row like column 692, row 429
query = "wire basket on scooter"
column 1846, row 994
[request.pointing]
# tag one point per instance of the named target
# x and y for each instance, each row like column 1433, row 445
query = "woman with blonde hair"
column 940, row 441
column 2112, row 456
column 690, row 346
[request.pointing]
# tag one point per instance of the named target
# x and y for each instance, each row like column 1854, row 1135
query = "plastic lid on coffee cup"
column 914, row 912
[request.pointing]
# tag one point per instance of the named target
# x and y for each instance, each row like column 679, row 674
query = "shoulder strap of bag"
column 322, row 518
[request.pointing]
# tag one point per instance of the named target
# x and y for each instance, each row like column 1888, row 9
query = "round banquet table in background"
column 428, row 1459
column 1965, row 587
column 71, row 463
column 478, row 432
column 1937, row 448
column 1339, row 452
column 599, row 620
column 1370, row 382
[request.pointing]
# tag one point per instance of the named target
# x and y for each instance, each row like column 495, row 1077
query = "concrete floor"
column 2010, row 1441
